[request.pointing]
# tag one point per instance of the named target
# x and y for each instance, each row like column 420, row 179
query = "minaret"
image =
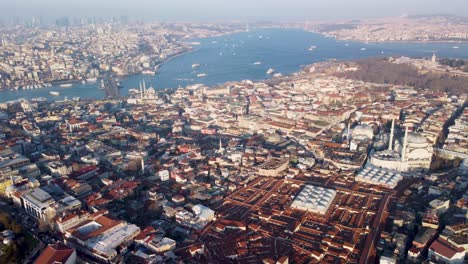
column 141, row 91
column 434, row 57
column 405, row 142
column 142, row 165
column 221, row 149
column 392, row 131
column 349, row 131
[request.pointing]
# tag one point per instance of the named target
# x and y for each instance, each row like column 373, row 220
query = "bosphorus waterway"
column 233, row 58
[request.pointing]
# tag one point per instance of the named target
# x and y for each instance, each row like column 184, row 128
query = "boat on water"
column 312, row 48
column 346, row 44
column 257, row 63
column 455, row 47
column 133, row 91
column 363, row 49
column 148, row 72
column 277, row 75
column 66, row 85
column 54, row 93
column 201, row 75
column 270, row 71
column 91, row 79
column 195, row 65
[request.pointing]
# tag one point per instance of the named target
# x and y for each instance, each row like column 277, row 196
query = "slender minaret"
column 405, row 142
column 142, row 165
column 141, row 91
column 392, row 131
column 349, row 131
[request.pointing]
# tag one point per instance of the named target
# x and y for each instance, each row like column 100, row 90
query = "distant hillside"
column 379, row 70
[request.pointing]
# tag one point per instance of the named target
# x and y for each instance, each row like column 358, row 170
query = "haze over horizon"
column 205, row 10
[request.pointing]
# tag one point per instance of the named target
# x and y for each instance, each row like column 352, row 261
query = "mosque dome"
column 274, row 138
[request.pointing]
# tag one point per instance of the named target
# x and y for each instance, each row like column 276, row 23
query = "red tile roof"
column 444, row 248
column 53, row 254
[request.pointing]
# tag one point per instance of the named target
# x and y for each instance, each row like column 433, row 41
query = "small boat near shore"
column 54, row 93
column 133, row 91
column 270, row 71
column 148, row 72
column 66, row 85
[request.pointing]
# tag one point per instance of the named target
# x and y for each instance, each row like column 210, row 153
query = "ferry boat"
column 270, row 71
column 277, row 75
column 133, row 91
column 195, row 65
column 312, row 48
column 66, row 85
column 54, row 93
column 201, row 75
column 455, row 47
column 257, row 63
column 147, row 72
column 363, row 49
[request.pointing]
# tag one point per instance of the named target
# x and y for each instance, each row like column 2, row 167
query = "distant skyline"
column 218, row 10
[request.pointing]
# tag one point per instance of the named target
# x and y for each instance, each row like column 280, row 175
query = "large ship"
column 148, row 72
column 54, row 93
column 133, row 91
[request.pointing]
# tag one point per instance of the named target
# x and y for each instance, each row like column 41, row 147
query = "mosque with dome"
column 145, row 96
column 413, row 152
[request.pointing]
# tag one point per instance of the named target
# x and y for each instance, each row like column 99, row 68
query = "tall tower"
column 141, row 91
column 221, row 149
column 405, row 143
column 392, row 131
column 434, row 57
column 349, row 131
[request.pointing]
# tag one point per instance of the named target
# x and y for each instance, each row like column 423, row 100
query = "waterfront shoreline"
column 176, row 71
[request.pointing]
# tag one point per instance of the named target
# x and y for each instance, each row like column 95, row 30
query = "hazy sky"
column 229, row 9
